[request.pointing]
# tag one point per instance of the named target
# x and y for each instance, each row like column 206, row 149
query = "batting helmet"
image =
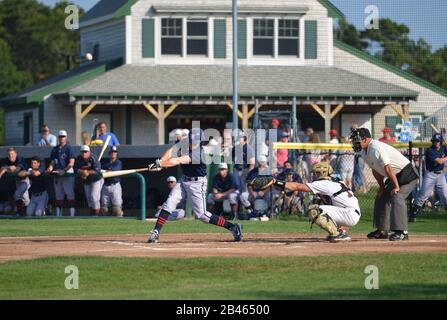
column 324, row 169
column 437, row 137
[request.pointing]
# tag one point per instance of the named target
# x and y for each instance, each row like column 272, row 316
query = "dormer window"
column 263, row 37
column 171, row 36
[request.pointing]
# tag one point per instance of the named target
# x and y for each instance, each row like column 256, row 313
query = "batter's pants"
column 432, row 180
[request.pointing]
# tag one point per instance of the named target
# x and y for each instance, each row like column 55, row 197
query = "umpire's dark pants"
column 390, row 211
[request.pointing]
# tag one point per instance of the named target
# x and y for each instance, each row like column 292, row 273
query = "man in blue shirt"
column 435, row 159
column 111, row 193
column 62, row 163
column 224, row 187
column 103, row 134
column 46, row 138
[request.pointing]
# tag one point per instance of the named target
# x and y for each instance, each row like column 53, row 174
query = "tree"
column 348, row 34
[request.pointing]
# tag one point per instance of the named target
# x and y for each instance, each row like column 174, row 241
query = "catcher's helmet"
column 324, row 169
column 196, row 136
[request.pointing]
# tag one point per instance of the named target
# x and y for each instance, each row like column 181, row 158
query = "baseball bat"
column 434, row 128
column 112, row 174
column 104, row 147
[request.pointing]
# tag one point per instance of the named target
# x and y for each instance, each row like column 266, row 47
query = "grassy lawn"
column 401, row 276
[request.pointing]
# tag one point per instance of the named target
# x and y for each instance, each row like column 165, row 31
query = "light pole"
column 235, row 71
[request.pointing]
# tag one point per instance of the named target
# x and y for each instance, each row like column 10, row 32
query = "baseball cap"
column 178, row 132
column 171, row 179
column 387, row 130
column 85, row 149
column 62, row 133
column 333, row 133
column 284, row 134
column 437, row 137
column 185, row 132
column 275, row 121
column 113, row 149
column 223, row 166
column 262, row 158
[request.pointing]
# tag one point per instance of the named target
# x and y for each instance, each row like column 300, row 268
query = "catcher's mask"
column 321, row 170
column 356, row 137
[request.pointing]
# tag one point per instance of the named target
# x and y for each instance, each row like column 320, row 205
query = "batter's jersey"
column 197, row 167
column 331, row 189
column 61, row 156
column 241, row 155
column 380, row 154
column 431, row 155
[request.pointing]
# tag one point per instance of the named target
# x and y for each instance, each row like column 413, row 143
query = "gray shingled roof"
column 138, row 80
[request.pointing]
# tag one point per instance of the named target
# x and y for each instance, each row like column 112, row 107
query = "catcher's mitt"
column 262, row 182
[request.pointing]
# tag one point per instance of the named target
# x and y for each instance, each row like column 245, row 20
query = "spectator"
column 111, row 193
column 312, row 137
column 178, row 135
column 103, row 134
column 37, row 191
column 13, row 164
column 46, row 138
column 282, row 155
column 387, row 138
column 62, row 161
column 333, row 134
column 248, row 197
column 225, row 187
column 179, row 212
column 89, row 169
column 292, row 200
column 85, row 138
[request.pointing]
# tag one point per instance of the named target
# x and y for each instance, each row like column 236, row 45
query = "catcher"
column 334, row 209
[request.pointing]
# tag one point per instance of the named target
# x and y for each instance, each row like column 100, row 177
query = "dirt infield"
column 208, row 245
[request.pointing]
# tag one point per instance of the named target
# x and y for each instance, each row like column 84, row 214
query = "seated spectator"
column 224, row 187
column 387, row 138
column 103, row 134
column 291, row 200
column 37, row 191
column 179, row 212
column 248, row 197
column 111, row 193
column 46, row 138
column 13, row 164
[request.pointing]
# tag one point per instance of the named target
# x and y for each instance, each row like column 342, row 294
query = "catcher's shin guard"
column 322, row 220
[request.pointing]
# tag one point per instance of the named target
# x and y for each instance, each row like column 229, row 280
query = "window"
column 288, row 38
column 171, row 36
column 263, row 37
column 197, row 37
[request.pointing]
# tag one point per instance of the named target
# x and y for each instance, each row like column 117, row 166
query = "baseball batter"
column 89, row 169
column 37, row 191
column 14, row 164
column 193, row 185
column 111, row 193
column 337, row 208
column 435, row 160
column 62, row 161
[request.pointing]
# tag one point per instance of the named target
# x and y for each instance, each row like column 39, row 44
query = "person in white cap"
column 62, row 163
column 89, row 169
column 178, row 135
column 178, row 213
column 225, row 187
column 248, row 197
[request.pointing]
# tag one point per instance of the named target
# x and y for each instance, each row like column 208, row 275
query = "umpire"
column 396, row 177
column 435, row 159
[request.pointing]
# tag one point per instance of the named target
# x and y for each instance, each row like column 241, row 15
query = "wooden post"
column 244, row 116
column 87, row 110
column 161, row 124
column 78, row 123
column 327, row 121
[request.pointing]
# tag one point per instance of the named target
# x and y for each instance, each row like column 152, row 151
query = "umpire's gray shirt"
column 380, row 154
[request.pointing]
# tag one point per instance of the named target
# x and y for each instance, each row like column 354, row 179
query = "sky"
column 427, row 18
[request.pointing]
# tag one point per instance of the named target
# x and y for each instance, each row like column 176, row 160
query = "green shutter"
column 148, row 38
column 220, row 39
column 310, row 28
column 391, row 122
column 242, row 39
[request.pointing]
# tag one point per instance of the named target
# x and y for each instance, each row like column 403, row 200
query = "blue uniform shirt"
column 61, row 155
column 113, row 139
column 246, row 152
column 431, row 155
column 111, row 166
column 197, row 168
column 223, row 185
column 20, row 163
column 37, row 183
column 88, row 164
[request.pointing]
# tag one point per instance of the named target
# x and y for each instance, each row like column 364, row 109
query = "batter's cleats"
column 154, row 237
column 237, row 232
column 399, row 236
column 342, row 236
column 378, row 234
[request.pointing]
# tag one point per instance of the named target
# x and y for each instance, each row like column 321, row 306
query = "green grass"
column 401, row 276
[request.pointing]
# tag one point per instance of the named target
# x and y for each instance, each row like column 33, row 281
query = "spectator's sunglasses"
column 171, row 182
